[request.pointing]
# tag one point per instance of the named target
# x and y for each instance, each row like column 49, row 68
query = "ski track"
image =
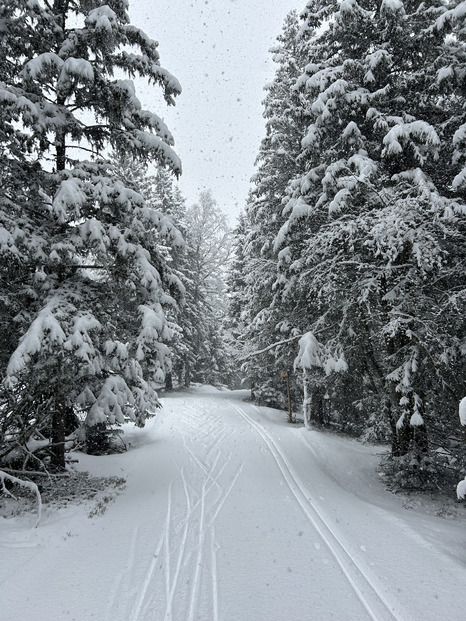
column 186, row 551
column 123, row 576
column 141, row 598
column 183, row 566
column 378, row 607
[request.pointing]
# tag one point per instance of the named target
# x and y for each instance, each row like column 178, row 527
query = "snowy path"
column 364, row 587
column 232, row 515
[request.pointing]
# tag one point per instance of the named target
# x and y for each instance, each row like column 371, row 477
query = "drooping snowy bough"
column 28, row 485
column 316, row 362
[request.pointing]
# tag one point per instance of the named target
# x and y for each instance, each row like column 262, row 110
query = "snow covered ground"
column 231, row 514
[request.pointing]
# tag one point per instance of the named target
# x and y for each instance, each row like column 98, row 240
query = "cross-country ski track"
column 231, row 514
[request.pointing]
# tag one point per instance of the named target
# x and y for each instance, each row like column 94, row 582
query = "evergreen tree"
column 370, row 251
column 87, row 305
column 166, row 196
column 208, row 241
column 237, row 302
column 161, row 192
column 277, row 163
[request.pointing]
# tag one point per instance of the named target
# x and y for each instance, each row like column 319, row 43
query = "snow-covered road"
column 231, row 514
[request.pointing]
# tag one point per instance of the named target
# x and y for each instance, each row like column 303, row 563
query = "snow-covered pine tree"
column 132, row 172
column 88, row 328
column 208, row 252
column 167, row 195
column 161, row 192
column 372, row 245
column 276, row 163
column 195, row 323
column 237, row 302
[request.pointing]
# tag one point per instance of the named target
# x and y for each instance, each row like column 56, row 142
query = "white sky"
column 218, row 50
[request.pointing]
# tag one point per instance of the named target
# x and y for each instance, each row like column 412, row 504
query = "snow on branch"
column 29, row 485
column 403, row 133
column 277, row 344
column 44, row 329
column 102, row 19
column 451, row 16
column 462, row 411
column 313, row 354
column 309, row 352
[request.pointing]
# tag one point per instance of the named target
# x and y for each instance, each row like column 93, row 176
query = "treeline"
column 354, row 232
column 110, row 286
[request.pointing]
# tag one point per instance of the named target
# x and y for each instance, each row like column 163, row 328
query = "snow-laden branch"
column 278, row 344
column 29, row 484
column 462, row 411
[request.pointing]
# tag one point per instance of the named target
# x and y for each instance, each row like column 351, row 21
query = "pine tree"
column 237, row 301
column 370, row 250
column 87, row 307
column 208, row 251
column 276, row 164
column 165, row 195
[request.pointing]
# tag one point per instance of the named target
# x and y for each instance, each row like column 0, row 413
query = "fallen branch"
column 29, row 484
column 38, row 473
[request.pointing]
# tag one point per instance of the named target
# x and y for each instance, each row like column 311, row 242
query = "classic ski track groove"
column 124, row 573
column 141, row 598
column 187, row 547
column 194, row 597
column 181, row 551
column 213, row 563
column 375, row 602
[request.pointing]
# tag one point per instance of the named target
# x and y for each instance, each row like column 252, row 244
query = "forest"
column 346, row 271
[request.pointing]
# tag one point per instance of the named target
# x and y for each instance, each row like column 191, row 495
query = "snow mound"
column 205, row 388
column 462, row 411
column 461, row 489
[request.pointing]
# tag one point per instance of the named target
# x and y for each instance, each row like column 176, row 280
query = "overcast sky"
column 218, row 50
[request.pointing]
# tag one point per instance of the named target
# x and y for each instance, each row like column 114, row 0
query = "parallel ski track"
column 370, row 596
column 187, row 547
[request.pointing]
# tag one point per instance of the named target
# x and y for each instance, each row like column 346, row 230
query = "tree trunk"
column 307, row 402
column 406, row 438
column 60, row 151
column 318, row 406
column 419, row 432
column 58, row 435
column 313, row 405
column 390, row 415
column 60, row 145
column 168, row 381
column 187, row 375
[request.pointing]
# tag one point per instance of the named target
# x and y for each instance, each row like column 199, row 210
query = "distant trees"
column 370, row 251
column 85, row 288
column 208, row 252
column 199, row 351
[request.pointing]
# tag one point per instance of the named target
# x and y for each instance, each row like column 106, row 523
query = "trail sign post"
column 286, row 377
